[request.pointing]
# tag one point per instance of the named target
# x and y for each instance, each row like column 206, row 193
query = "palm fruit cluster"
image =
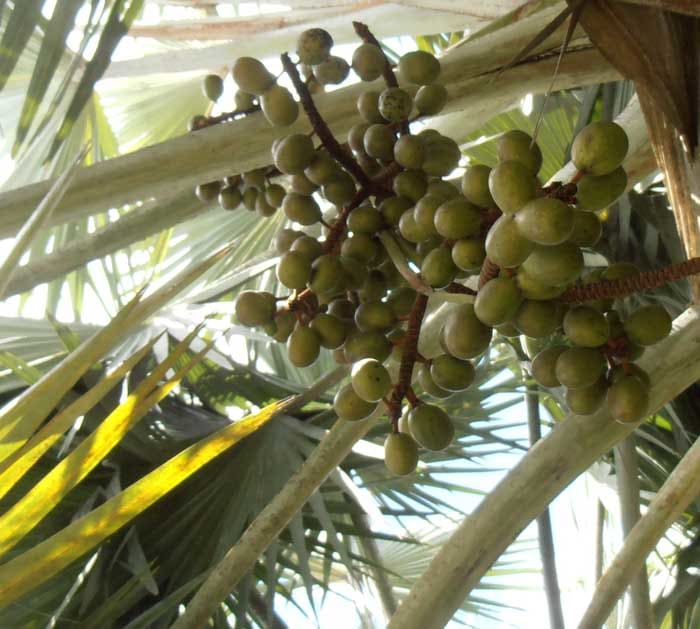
column 525, row 241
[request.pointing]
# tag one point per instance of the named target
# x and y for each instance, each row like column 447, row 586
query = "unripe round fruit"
column 586, row 326
column 368, row 107
column 307, row 245
column 368, row 62
column 332, row 71
column 284, row 325
column 367, row 345
column 350, row 406
column 424, row 214
column 596, row 193
column 252, row 76
column 294, row 153
column 395, row 104
column 411, row 184
column 322, row 169
column 544, row 364
column 409, row 151
column 512, row 185
column 370, row 380
column 442, row 156
column 314, row 46
column 330, row 330
column 400, row 453
column 630, row 369
column 213, row 87
column 326, row 274
column 497, row 301
column 279, row 106
column 379, row 142
column 294, row 270
column 356, row 137
column 443, row 189
column 429, row 386
column 537, row 319
column 366, row 220
column 475, row 186
column 452, row 374
column 250, row 196
column 410, row 230
column 457, row 218
column 263, row 207
column 468, row 253
column 518, row 145
column 339, row 190
column 463, row 335
column 274, row 194
column 505, row 246
column 392, row 208
column 230, row 198
column 628, row 399
column 360, row 247
column 374, row 315
column 579, row 367
column 587, row 229
column 599, row 148
column 437, row 268
column 431, row 427
column 557, row 265
column 430, row 99
column 300, row 208
column 419, row 67
column 303, row 347
column 587, row 400
column 207, row 192
column 255, row 308
column 648, row 325
column 545, row 221
column 301, row 184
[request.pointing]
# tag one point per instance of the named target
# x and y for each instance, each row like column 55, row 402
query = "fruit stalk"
column 645, row 280
column 408, row 358
column 320, row 127
column 489, row 270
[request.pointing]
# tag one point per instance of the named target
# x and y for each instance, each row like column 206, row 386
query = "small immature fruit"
column 556, row 265
column 326, row 274
column 395, row 104
column 360, row 247
column 356, row 137
column 213, row 87
column 505, row 245
column 314, row 46
column 518, row 145
column 537, row 319
column 307, row 245
column 429, row 386
column 648, row 325
column 587, row 400
column 400, row 453
column 255, row 307
column 244, row 101
column 475, row 186
column 546, row 221
column 294, row 153
column 322, row 169
column 586, row 326
column 457, row 218
column 596, row 193
column 279, row 106
column 411, row 184
column 409, row 151
column 468, row 254
column 437, row 268
column 368, row 107
column 431, row 427
column 379, row 142
column 419, row 67
column 512, row 185
column 375, row 315
column 587, row 229
column 331, row 331
column 340, row 189
column 365, row 220
column 441, row 157
column 332, row 71
column 368, row 62
column 303, row 347
column 294, row 270
column 350, row 406
column 579, row 367
column 230, row 198
column 535, row 289
column 497, row 301
column 370, row 380
column 628, row 399
column 208, row 191
column 301, row 208
column 543, row 366
column 452, row 374
column 252, row 76
column 599, row 148
column 430, row 99
column 284, row 325
column 463, row 335
column 367, row 345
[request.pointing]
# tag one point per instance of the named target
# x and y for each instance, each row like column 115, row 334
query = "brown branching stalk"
column 320, row 127
column 408, row 358
column 489, row 270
